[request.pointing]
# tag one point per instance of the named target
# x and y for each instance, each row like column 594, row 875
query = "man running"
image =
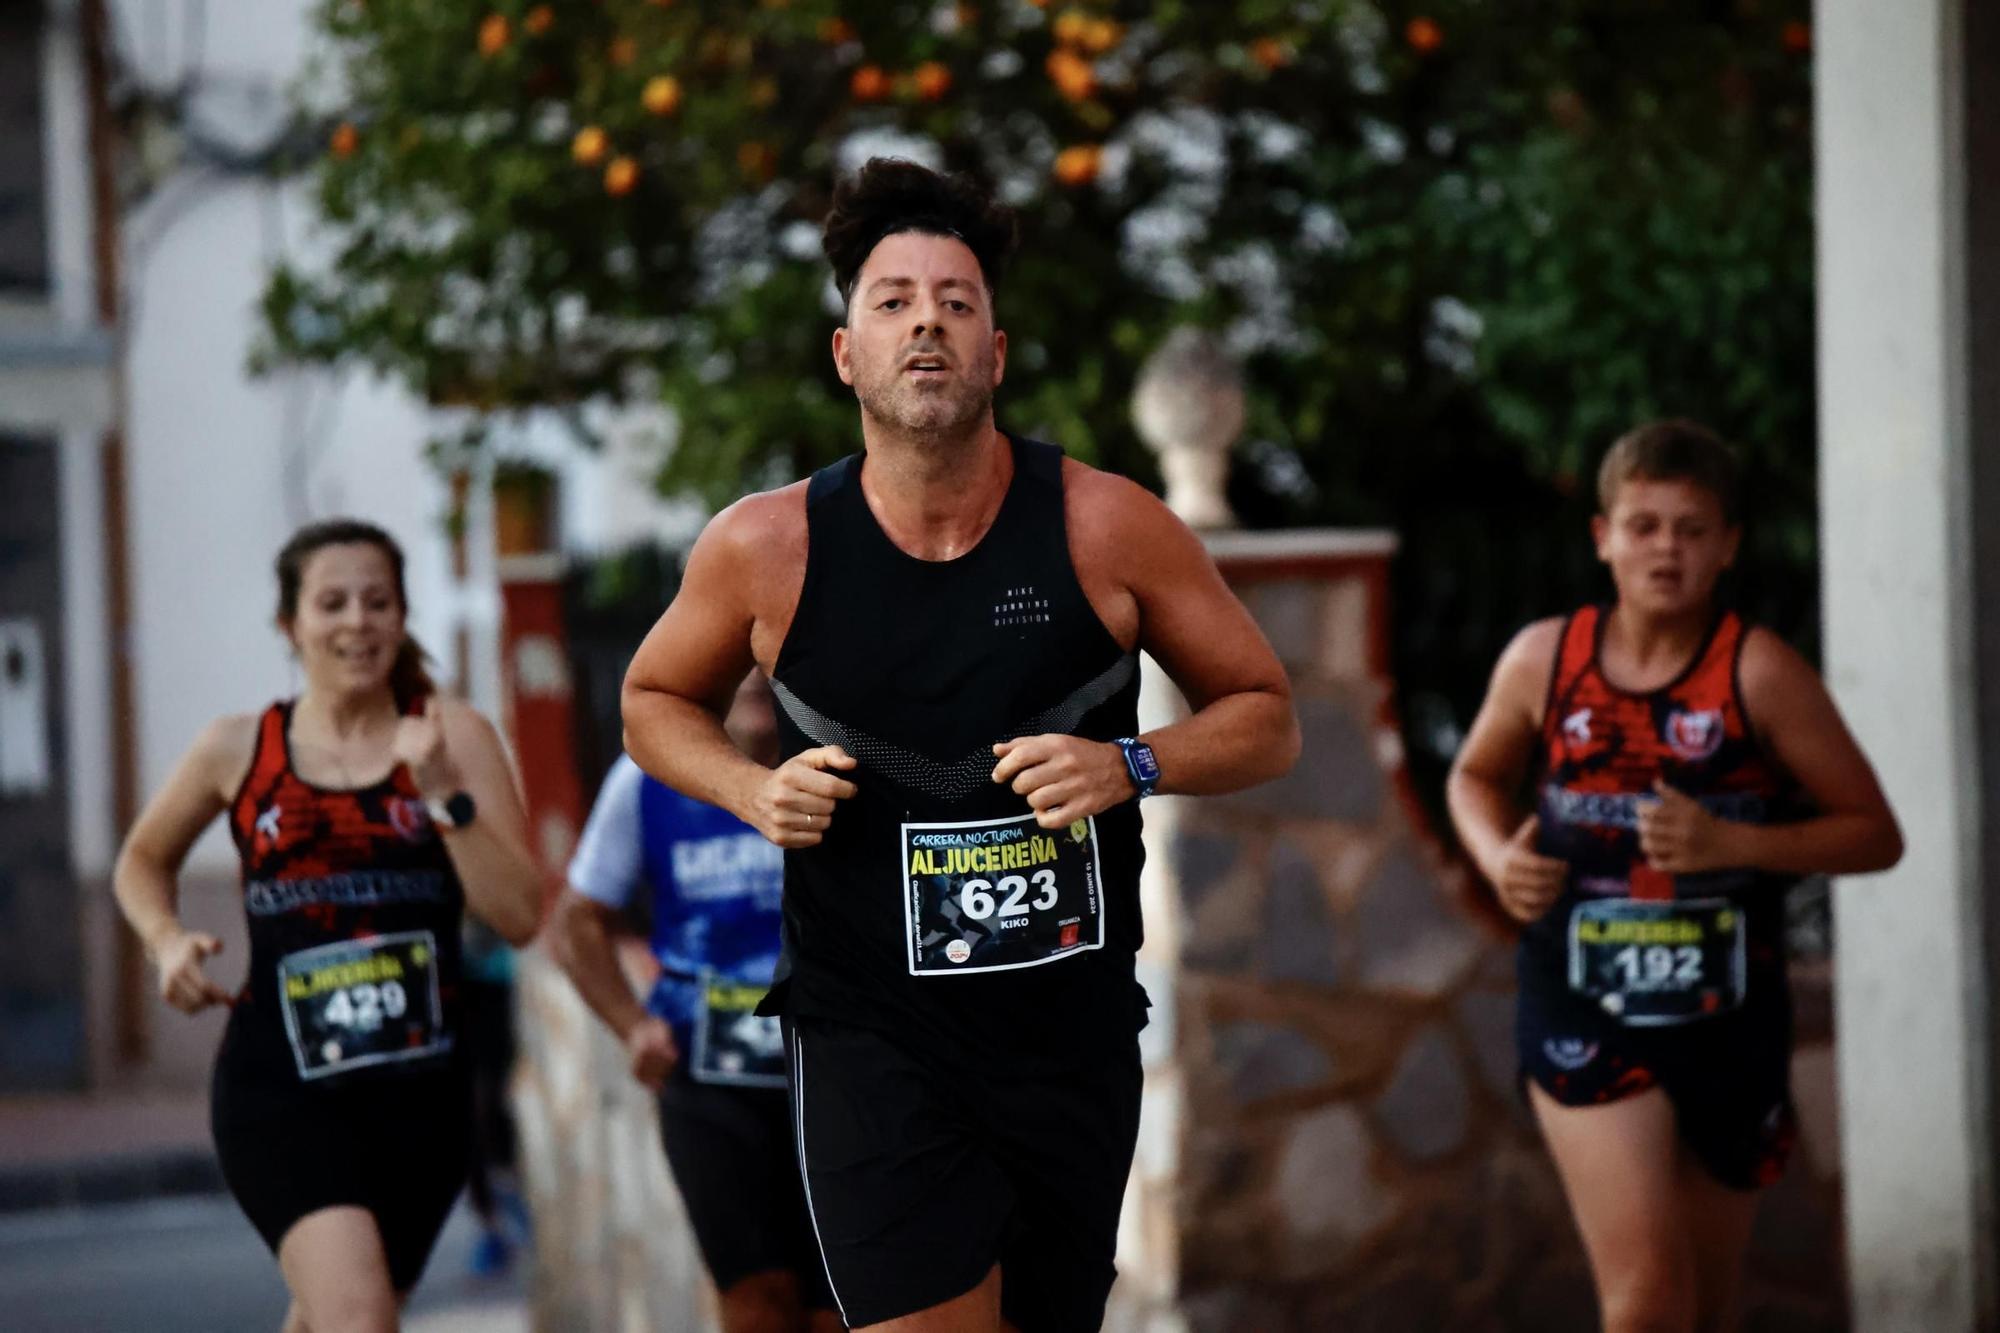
column 951, row 621
column 718, row 1067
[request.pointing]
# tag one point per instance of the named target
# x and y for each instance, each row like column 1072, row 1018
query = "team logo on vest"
column 1569, row 1053
column 1577, row 727
column 409, row 818
column 1694, row 735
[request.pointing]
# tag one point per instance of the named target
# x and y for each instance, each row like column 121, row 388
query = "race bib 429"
column 999, row 893
column 362, row 1002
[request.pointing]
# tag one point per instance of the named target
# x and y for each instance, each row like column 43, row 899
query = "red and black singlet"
column 354, row 912
column 1602, row 749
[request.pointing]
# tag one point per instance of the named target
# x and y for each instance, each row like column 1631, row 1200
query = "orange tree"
column 1458, row 245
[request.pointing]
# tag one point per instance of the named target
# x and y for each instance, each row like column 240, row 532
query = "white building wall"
column 224, row 467
column 1897, row 582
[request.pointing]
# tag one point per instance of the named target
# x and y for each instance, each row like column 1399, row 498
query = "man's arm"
column 603, row 875
column 1242, row 729
column 735, row 602
column 1152, row 582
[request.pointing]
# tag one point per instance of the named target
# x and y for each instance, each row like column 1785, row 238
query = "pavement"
column 113, row 1217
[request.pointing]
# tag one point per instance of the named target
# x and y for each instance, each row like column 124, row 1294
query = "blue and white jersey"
column 717, row 886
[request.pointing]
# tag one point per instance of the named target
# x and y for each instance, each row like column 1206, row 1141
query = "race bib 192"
column 732, row 1044
column 362, row 1002
column 1652, row 964
column 999, row 893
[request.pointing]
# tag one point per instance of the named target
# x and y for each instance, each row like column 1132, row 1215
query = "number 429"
column 362, row 1008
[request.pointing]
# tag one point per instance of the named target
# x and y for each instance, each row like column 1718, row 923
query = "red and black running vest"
column 936, row 908
column 354, row 913
column 1602, row 749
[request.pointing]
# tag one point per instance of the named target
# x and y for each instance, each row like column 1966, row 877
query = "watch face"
column 1143, row 763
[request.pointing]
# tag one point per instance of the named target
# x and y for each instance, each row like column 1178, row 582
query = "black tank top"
column 935, row 908
column 354, row 911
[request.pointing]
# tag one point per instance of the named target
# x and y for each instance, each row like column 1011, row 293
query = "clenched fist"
column 183, row 984
column 795, row 803
column 419, row 746
column 650, row 1049
column 1679, row 836
column 1527, row 882
column 1065, row 778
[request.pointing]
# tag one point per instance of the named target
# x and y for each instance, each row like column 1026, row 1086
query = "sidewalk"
column 108, row 1199
column 64, row 1150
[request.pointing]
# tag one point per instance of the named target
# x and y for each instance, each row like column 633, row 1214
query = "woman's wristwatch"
column 454, row 811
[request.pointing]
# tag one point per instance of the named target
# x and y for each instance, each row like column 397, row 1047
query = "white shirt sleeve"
column 606, row 867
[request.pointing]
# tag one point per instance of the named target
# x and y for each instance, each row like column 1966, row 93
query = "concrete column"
column 1905, row 587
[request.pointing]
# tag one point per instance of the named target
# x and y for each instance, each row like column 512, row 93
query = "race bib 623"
column 999, row 893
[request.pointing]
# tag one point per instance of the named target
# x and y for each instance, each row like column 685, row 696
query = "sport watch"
column 454, row 811
column 1141, row 765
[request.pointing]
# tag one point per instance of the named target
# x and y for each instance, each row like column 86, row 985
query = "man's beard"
column 923, row 411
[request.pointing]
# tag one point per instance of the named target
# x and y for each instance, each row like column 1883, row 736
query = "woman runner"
column 367, row 812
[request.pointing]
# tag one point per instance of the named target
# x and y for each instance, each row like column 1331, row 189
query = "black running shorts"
column 922, row 1174
column 736, row 1164
column 398, row 1146
column 1728, row 1077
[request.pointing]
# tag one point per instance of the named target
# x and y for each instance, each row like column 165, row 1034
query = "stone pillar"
column 1907, row 195
column 1332, row 1137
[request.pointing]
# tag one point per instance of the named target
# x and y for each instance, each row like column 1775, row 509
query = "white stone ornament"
column 1188, row 408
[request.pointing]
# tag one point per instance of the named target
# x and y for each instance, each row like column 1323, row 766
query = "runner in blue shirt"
column 716, row 887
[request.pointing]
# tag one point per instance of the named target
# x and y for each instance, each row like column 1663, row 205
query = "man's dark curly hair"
column 889, row 195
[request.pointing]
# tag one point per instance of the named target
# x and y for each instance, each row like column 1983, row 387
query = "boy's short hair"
column 889, row 195
column 1674, row 450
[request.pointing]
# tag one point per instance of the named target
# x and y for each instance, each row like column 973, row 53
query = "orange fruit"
column 1071, row 27
column 1100, row 35
column 1423, row 35
column 345, row 140
column 661, row 95
column 623, row 52
column 538, row 20
column 869, row 84
column 1079, row 164
column 933, row 80
column 589, row 146
column 620, row 176
column 493, row 35
column 835, row 31
column 1270, row 53
column 1073, row 76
